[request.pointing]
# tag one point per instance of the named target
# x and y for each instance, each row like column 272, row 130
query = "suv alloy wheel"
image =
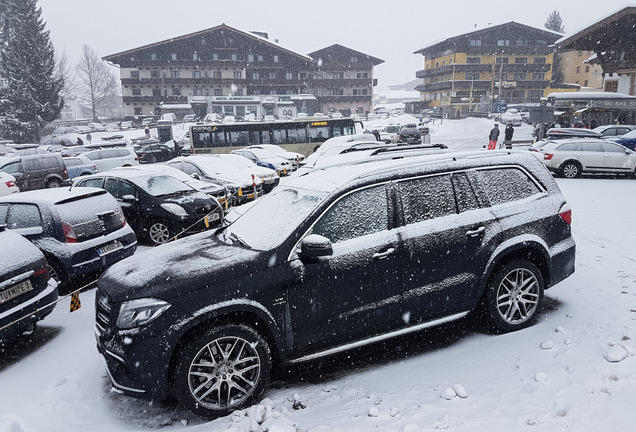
column 571, row 170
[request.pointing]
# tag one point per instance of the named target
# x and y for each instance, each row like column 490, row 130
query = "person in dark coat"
column 509, row 132
column 493, row 137
column 79, row 141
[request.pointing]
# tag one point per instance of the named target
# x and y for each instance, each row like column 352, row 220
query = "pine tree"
column 554, row 22
column 29, row 86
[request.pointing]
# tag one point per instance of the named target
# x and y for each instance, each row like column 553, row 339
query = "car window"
column 72, row 162
column 94, row 182
column 612, row 148
column 20, row 216
column 50, row 163
column 503, row 185
column 569, row 147
column 12, row 168
column 190, row 169
column 112, row 153
column 465, row 195
column 32, row 164
column 118, row 188
column 356, row 214
column 122, row 153
column 591, row 147
column 427, row 198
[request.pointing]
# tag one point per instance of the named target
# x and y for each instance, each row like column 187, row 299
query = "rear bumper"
column 36, row 309
column 562, row 261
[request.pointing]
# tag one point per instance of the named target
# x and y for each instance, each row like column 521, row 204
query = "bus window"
column 319, row 134
column 218, row 139
column 349, row 130
column 296, row 135
column 203, row 140
column 265, row 139
column 254, row 137
column 278, row 136
column 239, row 138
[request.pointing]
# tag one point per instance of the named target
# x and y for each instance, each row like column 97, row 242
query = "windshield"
column 237, row 160
column 274, row 218
column 161, row 185
column 629, row 135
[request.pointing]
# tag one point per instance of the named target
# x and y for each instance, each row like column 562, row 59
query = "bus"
column 299, row 135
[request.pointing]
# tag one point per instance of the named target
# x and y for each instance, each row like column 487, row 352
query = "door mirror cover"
column 315, row 245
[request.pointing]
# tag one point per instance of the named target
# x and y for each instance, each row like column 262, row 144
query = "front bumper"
column 43, row 301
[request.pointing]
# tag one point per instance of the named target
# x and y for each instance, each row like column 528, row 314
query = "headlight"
column 135, row 313
column 174, row 209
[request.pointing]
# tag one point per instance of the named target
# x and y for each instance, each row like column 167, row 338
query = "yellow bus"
column 299, row 135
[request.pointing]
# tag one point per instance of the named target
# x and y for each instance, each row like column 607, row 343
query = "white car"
column 511, row 116
column 292, row 157
column 572, row 157
column 390, row 133
column 267, row 159
column 7, row 184
column 109, row 158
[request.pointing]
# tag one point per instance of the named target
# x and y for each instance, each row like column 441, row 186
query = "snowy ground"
column 574, row 370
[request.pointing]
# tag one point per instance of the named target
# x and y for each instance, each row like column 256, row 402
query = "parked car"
column 7, row 150
column 80, row 231
column 628, row 140
column 109, row 158
column 269, row 176
column 157, row 207
column 74, row 151
column 25, row 286
column 79, row 166
column 36, row 171
column 153, row 153
column 573, row 157
column 410, row 134
column 357, row 249
column 7, row 184
column 293, row 157
column 563, row 133
column 241, row 187
column 190, row 118
column 267, row 159
column 390, row 134
column 611, row 131
column 53, row 144
column 511, row 116
column 185, row 147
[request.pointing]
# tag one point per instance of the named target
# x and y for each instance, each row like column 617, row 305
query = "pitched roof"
column 599, row 31
column 343, row 50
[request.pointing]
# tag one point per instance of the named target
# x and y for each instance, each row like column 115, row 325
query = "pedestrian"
column 509, row 132
column 89, row 137
column 493, row 137
column 376, row 134
column 79, row 141
column 176, row 147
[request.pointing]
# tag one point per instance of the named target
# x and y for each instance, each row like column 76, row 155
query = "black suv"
column 36, row 171
column 332, row 260
column 410, row 134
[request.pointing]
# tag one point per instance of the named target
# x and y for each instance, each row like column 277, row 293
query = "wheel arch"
column 571, row 160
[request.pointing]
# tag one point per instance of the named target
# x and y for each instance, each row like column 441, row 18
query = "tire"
column 53, row 183
column 153, row 159
column 221, row 370
column 56, row 273
column 513, row 296
column 159, row 233
column 571, row 170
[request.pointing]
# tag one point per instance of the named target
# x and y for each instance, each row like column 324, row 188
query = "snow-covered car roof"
column 53, row 196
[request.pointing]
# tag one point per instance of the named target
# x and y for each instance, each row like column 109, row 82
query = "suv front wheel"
column 571, row 170
column 221, row 370
column 513, row 296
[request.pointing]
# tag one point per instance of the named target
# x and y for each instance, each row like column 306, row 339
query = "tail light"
column 65, row 172
column 566, row 214
column 122, row 218
column 548, row 156
column 69, row 233
column 40, row 272
column 94, row 167
column 10, row 183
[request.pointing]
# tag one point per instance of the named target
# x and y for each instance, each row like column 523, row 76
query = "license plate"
column 250, row 196
column 111, row 247
column 15, row 290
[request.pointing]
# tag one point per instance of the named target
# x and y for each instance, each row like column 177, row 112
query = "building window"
column 238, row 74
column 539, row 60
column 195, row 56
column 234, row 57
column 154, row 74
column 215, row 56
column 502, row 42
column 587, row 68
column 611, row 86
column 197, row 92
column 228, row 109
column 260, row 58
column 176, row 91
column 275, row 59
column 473, row 60
column 250, row 57
column 443, row 62
column 363, row 75
column 535, row 95
column 540, row 76
column 218, row 92
column 174, row 74
column 578, row 69
column 472, row 77
column 580, row 53
column 289, row 75
column 138, row 111
column 500, row 60
column 136, row 92
column 196, row 74
column 216, row 74
column 354, row 59
column 272, row 75
column 359, row 110
column 585, row 83
column 156, row 92
column 521, row 60
column 475, row 42
column 157, row 111
column 239, row 92
column 252, row 109
column 134, row 74
column 520, row 76
column 217, row 109
column 174, row 56
column 359, row 92
column 153, row 56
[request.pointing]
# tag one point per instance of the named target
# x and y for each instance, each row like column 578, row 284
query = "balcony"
column 483, row 68
column 155, row 99
column 344, row 98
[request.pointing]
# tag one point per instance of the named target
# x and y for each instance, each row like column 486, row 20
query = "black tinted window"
column 464, row 193
column 50, row 163
column 427, row 198
column 32, row 164
column 360, row 213
column 119, row 188
column 506, row 185
column 96, row 182
column 21, row 216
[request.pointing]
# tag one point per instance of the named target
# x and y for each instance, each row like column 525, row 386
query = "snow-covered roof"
column 589, row 95
column 599, row 22
column 53, row 196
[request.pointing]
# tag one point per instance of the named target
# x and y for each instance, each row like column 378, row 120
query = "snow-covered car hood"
column 170, row 270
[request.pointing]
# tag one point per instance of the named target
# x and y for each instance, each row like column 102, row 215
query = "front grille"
column 103, row 309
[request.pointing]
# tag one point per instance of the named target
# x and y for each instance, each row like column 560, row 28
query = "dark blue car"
column 628, row 140
column 79, row 166
column 80, row 231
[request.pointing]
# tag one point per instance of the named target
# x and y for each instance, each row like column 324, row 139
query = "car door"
column 590, row 153
column 133, row 210
column 616, row 158
column 356, row 291
column 16, row 170
column 446, row 243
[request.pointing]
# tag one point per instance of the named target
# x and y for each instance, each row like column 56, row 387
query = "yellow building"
column 577, row 70
column 510, row 62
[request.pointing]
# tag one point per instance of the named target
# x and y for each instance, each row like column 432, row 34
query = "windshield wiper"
column 235, row 237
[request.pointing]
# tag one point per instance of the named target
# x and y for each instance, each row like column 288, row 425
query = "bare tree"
column 96, row 81
column 63, row 71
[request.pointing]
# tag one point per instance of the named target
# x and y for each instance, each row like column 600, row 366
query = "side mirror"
column 314, row 246
column 195, row 176
column 129, row 199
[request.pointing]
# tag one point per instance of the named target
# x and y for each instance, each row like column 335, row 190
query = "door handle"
column 476, row 232
column 382, row 255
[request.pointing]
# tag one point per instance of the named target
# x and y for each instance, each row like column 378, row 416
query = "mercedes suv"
column 331, row 260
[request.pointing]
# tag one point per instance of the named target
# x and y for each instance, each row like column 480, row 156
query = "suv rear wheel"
column 221, row 370
column 571, row 170
column 53, row 183
column 513, row 296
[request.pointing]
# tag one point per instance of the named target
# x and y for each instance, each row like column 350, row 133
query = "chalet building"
column 611, row 39
column 470, row 72
column 342, row 79
column 577, row 69
column 224, row 70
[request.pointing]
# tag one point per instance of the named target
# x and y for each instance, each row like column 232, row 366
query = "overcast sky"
column 387, row 29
